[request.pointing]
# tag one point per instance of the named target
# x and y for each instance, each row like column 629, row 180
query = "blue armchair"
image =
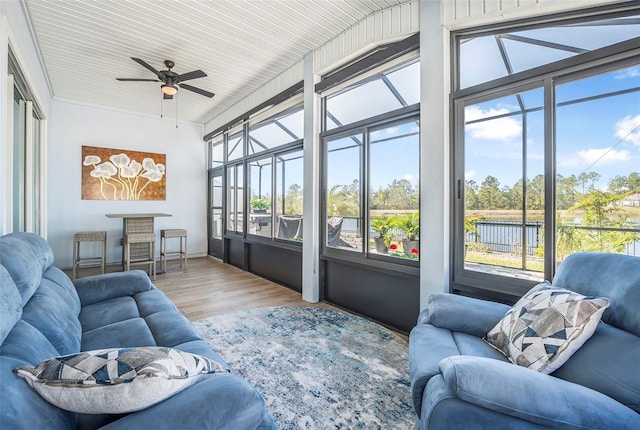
column 459, row 381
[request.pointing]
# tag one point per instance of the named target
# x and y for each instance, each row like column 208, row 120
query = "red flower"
column 414, row 251
column 393, row 247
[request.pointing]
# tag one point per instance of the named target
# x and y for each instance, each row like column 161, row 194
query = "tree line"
column 570, row 191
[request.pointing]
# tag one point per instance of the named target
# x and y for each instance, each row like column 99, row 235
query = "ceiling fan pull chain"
column 161, row 97
column 176, row 97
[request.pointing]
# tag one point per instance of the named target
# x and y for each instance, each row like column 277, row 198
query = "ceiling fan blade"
column 196, row 90
column 167, row 96
column 137, row 80
column 191, row 75
column 146, row 66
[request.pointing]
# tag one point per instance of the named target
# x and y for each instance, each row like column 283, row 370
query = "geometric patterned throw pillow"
column 116, row 380
column 546, row 327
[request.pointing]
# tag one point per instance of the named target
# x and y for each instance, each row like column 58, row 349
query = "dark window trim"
column 363, row 128
column 291, row 245
column 374, row 265
column 606, row 55
column 368, row 61
column 373, row 121
column 273, row 154
column 547, row 76
column 278, row 98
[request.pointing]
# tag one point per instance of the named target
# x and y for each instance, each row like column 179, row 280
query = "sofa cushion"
column 123, row 334
column 119, row 380
column 546, row 326
column 10, row 303
column 170, row 328
column 51, row 310
column 26, row 346
column 108, row 312
column 152, row 301
column 25, row 257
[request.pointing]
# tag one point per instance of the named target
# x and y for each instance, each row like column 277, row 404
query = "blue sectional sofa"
column 458, row 381
column 44, row 314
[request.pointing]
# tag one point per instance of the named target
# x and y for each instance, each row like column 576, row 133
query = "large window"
column 216, row 148
column 371, row 189
column 260, row 198
column 394, row 190
column 598, row 167
column 546, row 149
column 381, row 93
column 235, row 198
column 235, row 145
column 504, row 208
column 273, row 169
column 343, row 208
column 276, row 131
column 491, row 56
column 288, row 198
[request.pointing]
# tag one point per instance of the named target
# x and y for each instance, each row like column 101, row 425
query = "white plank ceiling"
column 239, row 44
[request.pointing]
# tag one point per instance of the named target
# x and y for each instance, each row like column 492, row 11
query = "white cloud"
column 503, row 129
column 628, row 129
column 600, row 155
column 409, row 177
column 633, row 72
column 469, row 174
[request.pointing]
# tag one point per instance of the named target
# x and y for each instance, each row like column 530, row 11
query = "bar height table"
column 137, row 223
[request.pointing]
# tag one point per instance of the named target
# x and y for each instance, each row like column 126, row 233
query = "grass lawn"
column 535, row 264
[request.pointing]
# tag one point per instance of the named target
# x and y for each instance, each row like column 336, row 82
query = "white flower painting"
column 113, row 174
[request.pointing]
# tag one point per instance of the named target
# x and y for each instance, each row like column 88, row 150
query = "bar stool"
column 145, row 255
column 170, row 233
column 88, row 236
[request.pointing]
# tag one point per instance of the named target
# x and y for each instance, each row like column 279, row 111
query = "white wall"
column 74, row 125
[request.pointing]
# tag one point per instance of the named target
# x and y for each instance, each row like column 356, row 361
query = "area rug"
column 317, row 368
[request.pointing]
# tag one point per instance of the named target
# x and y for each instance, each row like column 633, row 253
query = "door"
column 216, row 211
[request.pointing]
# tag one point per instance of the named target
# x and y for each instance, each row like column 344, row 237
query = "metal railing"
column 506, row 236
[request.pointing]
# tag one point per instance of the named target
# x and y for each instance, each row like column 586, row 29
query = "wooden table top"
column 152, row 215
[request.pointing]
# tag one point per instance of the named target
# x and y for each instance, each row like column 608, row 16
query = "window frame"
column 298, row 107
column 364, row 127
column 547, row 76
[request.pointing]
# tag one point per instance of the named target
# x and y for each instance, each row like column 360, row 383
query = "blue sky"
column 601, row 135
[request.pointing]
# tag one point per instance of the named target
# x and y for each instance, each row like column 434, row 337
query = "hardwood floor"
column 210, row 287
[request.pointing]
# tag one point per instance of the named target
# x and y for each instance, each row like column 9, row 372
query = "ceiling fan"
column 170, row 79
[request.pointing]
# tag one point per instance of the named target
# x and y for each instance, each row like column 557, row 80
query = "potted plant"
column 382, row 225
column 260, row 206
column 410, row 224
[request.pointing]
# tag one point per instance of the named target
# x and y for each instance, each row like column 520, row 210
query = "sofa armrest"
column 532, row 396
column 462, row 314
column 428, row 345
column 94, row 289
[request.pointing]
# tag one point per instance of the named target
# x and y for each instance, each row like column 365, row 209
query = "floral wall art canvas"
column 117, row 174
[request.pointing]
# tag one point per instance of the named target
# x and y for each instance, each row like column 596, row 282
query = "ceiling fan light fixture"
column 170, row 90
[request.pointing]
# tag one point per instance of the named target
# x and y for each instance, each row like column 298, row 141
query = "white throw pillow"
column 546, row 327
column 116, row 380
